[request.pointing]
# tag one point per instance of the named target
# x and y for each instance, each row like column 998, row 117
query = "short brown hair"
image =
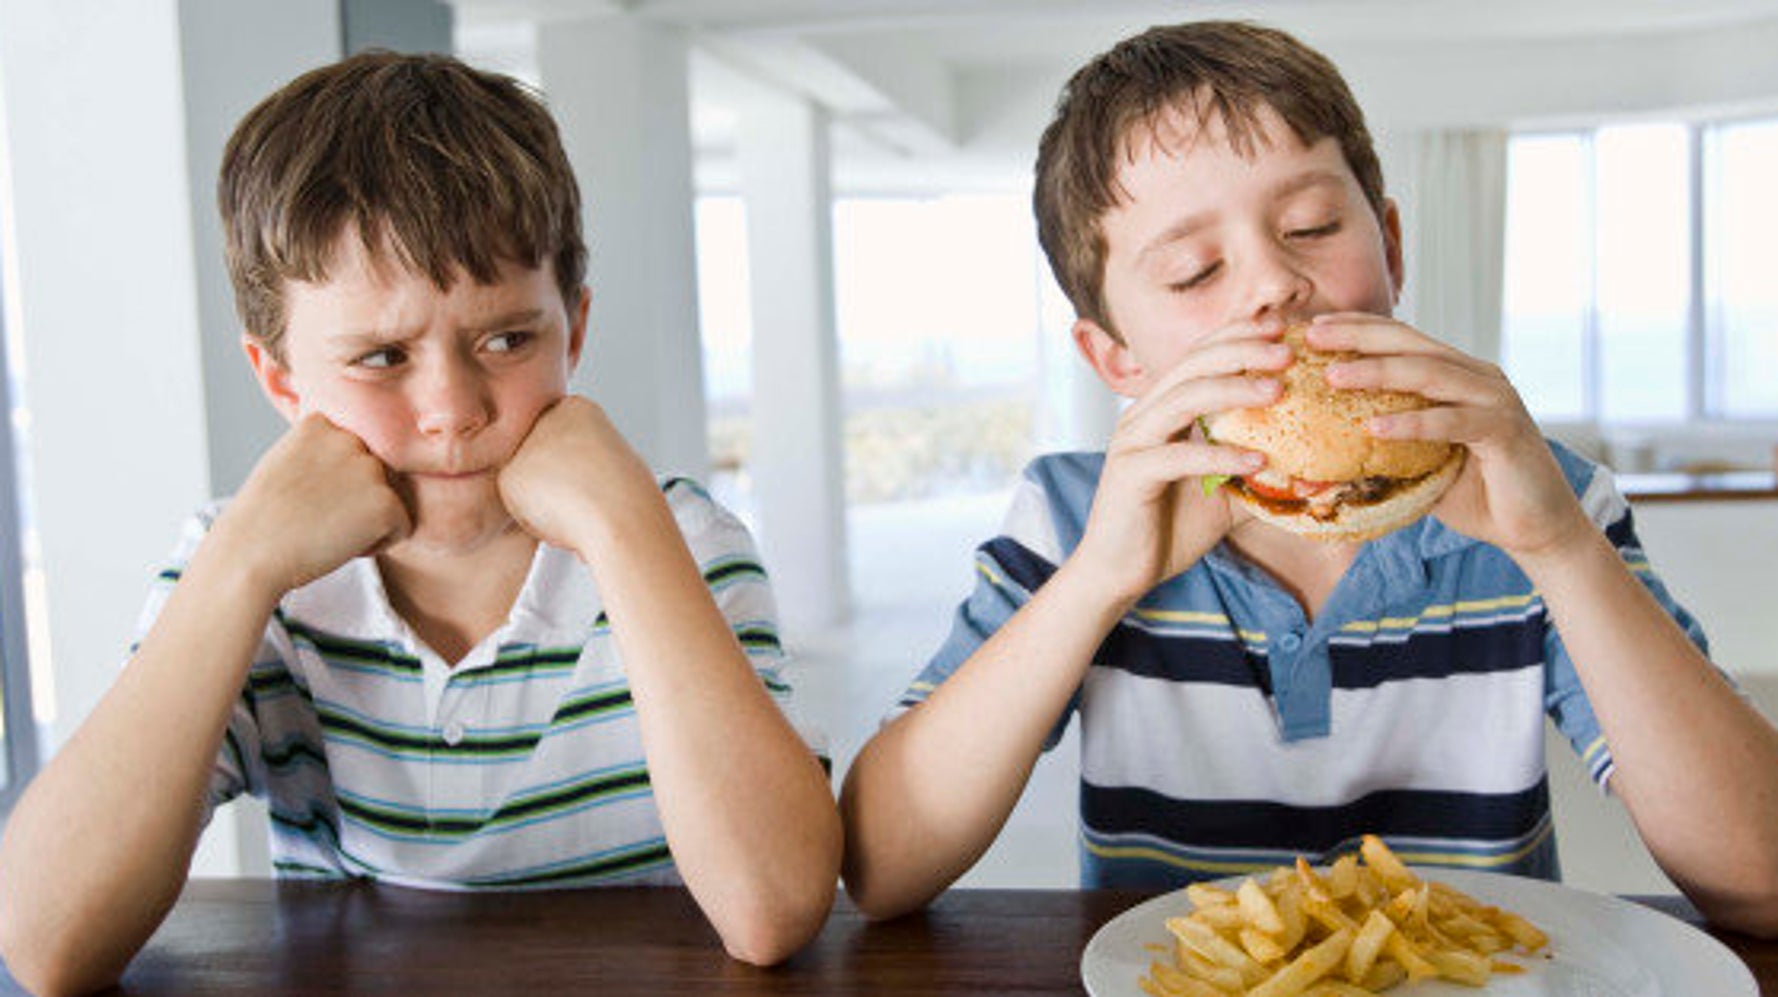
column 1228, row 69
column 448, row 168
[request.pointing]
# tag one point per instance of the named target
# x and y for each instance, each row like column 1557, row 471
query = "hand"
column 1150, row 518
column 1511, row 492
column 574, row 474
column 314, row 501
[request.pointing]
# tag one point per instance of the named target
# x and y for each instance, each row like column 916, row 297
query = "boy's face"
column 442, row 386
column 1203, row 238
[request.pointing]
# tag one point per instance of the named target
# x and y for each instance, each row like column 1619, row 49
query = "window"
column 1741, row 303
column 1638, row 285
column 937, row 313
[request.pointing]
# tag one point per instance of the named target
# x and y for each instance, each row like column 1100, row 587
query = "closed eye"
column 1197, row 279
column 1317, row 232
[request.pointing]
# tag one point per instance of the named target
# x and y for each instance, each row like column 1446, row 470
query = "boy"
column 1246, row 694
column 452, row 628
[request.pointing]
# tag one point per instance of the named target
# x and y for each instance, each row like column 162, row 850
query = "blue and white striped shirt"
column 1222, row 731
column 519, row 767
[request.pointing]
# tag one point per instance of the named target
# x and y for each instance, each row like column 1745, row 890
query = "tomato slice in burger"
column 1268, row 492
column 1298, row 490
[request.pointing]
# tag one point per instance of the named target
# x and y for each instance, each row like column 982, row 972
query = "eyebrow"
column 361, row 338
column 1192, row 223
column 506, row 320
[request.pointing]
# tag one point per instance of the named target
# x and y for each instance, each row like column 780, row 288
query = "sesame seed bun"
column 1314, row 438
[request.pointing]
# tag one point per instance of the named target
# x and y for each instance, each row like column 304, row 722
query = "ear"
column 274, row 378
column 577, row 327
column 1110, row 358
column 1392, row 245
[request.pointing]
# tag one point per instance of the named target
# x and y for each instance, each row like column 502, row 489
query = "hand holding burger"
column 1326, row 477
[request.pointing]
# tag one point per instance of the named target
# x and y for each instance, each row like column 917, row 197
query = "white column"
column 617, row 86
column 234, row 54
column 798, row 460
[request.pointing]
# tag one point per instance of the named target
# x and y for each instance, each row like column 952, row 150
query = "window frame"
column 15, row 669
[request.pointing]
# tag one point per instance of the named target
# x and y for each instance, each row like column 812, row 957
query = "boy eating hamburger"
column 1247, row 693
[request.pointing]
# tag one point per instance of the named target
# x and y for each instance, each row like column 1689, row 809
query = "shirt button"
column 1289, row 643
column 453, row 732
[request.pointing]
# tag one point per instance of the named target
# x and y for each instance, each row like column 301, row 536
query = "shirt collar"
column 1401, row 559
column 557, row 600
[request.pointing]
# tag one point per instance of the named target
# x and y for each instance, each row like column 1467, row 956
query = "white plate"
column 1600, row 946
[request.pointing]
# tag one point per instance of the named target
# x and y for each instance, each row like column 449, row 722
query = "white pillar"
column 798, row 460
column 234, row 54
column 618, row 89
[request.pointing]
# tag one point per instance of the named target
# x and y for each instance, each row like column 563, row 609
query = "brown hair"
column 1228, row 69
column 446, row 167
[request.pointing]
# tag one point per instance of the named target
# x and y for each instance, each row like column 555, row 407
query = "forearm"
column 746, row 806
column 1694, row 763
column 928, row 794
column 98, row 847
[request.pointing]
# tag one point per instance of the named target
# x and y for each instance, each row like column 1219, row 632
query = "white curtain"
column 1451, row 186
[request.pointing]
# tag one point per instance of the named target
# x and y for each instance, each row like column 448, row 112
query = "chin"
column 458, row 523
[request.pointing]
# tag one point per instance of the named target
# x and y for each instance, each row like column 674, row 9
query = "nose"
column 449, row 398
column 1278, row 285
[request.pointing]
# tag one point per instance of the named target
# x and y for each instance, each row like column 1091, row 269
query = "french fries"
column 1352, row 930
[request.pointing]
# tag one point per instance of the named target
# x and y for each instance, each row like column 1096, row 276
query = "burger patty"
column 1324, row 503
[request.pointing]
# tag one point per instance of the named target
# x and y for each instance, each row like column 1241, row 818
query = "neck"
column 454, row 598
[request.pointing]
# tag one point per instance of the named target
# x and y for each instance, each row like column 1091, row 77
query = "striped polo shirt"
column 519, row 767
column 1223, row 731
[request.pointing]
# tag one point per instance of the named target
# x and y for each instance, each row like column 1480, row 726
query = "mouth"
column 449, row 475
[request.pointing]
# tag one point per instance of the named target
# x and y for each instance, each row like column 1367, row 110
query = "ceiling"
column 960, row 88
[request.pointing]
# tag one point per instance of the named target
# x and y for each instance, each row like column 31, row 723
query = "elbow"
column 768, row 933
column 46, row 968
column 1755, row 915
column 1749, row 905
column 877, row 894
column 780, row 913
column 879, row 904
column 48, row 950
column 1759, row 921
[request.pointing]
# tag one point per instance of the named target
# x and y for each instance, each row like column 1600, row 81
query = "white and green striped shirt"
column 522, row 766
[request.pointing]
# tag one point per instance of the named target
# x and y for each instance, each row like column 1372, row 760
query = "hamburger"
column 1325, row 477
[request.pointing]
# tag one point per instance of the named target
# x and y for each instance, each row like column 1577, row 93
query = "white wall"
column 106, row 306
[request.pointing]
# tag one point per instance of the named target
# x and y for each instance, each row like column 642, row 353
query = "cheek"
column 376, row 420
column 525, row 400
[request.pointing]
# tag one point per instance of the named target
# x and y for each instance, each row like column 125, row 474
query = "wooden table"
column 254, row 937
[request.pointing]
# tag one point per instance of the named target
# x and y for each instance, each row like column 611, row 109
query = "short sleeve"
column 1009, row 569
column 736, row 576
column 1564, row 698
column 237, row 768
